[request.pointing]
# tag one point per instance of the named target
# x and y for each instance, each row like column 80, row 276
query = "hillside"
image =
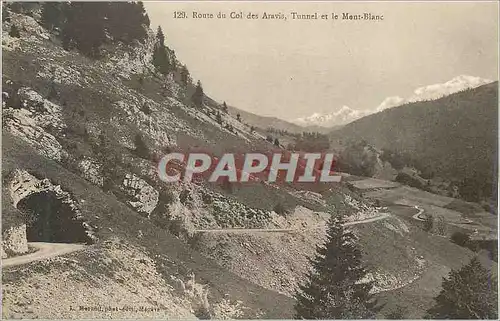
column 264, row 122
column 455, row 136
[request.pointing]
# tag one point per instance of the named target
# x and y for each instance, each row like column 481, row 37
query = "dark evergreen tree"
column 53, row 94
column 14, row 32
column 52, row 15
column 161, row 60
column 238, row 117
column 276, row 142
column 334, row 287
column 469, row 293
column 224, row 108
column 185, row 77
column 85, row 27
column 127, row 21
column 173, row 59
column 198, row 96
column 141, row 149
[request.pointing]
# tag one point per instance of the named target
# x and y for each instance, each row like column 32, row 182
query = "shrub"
column 14, row 32
column 166, row 197
column 146, row 109
column 207, row 198
column 141, row 149
column 280, row 209
column 195, row 241
column 53, row 94
column 176, row 227
column 184, row 197
column 409, row 180
column 460, row 238
column 441, row 225
column 428, row 223
column 397, row 314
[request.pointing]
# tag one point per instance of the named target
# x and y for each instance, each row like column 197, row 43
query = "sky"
column 294, row 68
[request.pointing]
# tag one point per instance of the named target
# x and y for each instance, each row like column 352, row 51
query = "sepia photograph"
column 249, row 160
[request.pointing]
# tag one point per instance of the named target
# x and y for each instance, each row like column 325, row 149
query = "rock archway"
column 49, row 219
column 51, row 214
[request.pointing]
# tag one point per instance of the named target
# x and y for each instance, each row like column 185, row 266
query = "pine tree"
column 127, row 21
column 14, row 32
column 469, row 293
column 334, row 289
column 141, row 149
column 161, row 59
column 85, row 27
column 198, row 95
column 173, row 59
column 185, row 78
column 238, row 117
column 218, row 117
column 224, row 108
column 52, row 15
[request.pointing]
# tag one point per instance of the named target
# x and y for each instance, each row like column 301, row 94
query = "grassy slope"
column 174, row 258
column 456, row 135
column 396, row 253
column 262, row 122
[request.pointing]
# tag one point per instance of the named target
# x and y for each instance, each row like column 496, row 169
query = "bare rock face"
column 145, row 197
column 14, row 241
column 21, row 123
column 34, row 122
column 90, row 169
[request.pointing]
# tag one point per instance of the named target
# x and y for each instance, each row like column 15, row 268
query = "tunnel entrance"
column 50, row 219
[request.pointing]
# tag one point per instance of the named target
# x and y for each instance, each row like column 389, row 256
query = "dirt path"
column 417, row 216
column 44, row 251
column 268, row 230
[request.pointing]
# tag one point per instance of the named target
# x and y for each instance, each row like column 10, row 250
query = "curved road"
column 417, row 216
column 44, row 251
column 50, row 250
column 278, row 230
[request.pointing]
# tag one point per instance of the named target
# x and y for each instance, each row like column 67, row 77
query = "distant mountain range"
column 346, row 114
column 454, row 136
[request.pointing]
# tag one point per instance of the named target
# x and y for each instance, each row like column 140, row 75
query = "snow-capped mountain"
column 435, row 91
column 346, row 114
column 343, row 116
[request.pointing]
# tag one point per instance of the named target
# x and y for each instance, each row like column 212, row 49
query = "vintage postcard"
column 250, row 160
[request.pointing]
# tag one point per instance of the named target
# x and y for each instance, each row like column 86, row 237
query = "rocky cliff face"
column 14, row 241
